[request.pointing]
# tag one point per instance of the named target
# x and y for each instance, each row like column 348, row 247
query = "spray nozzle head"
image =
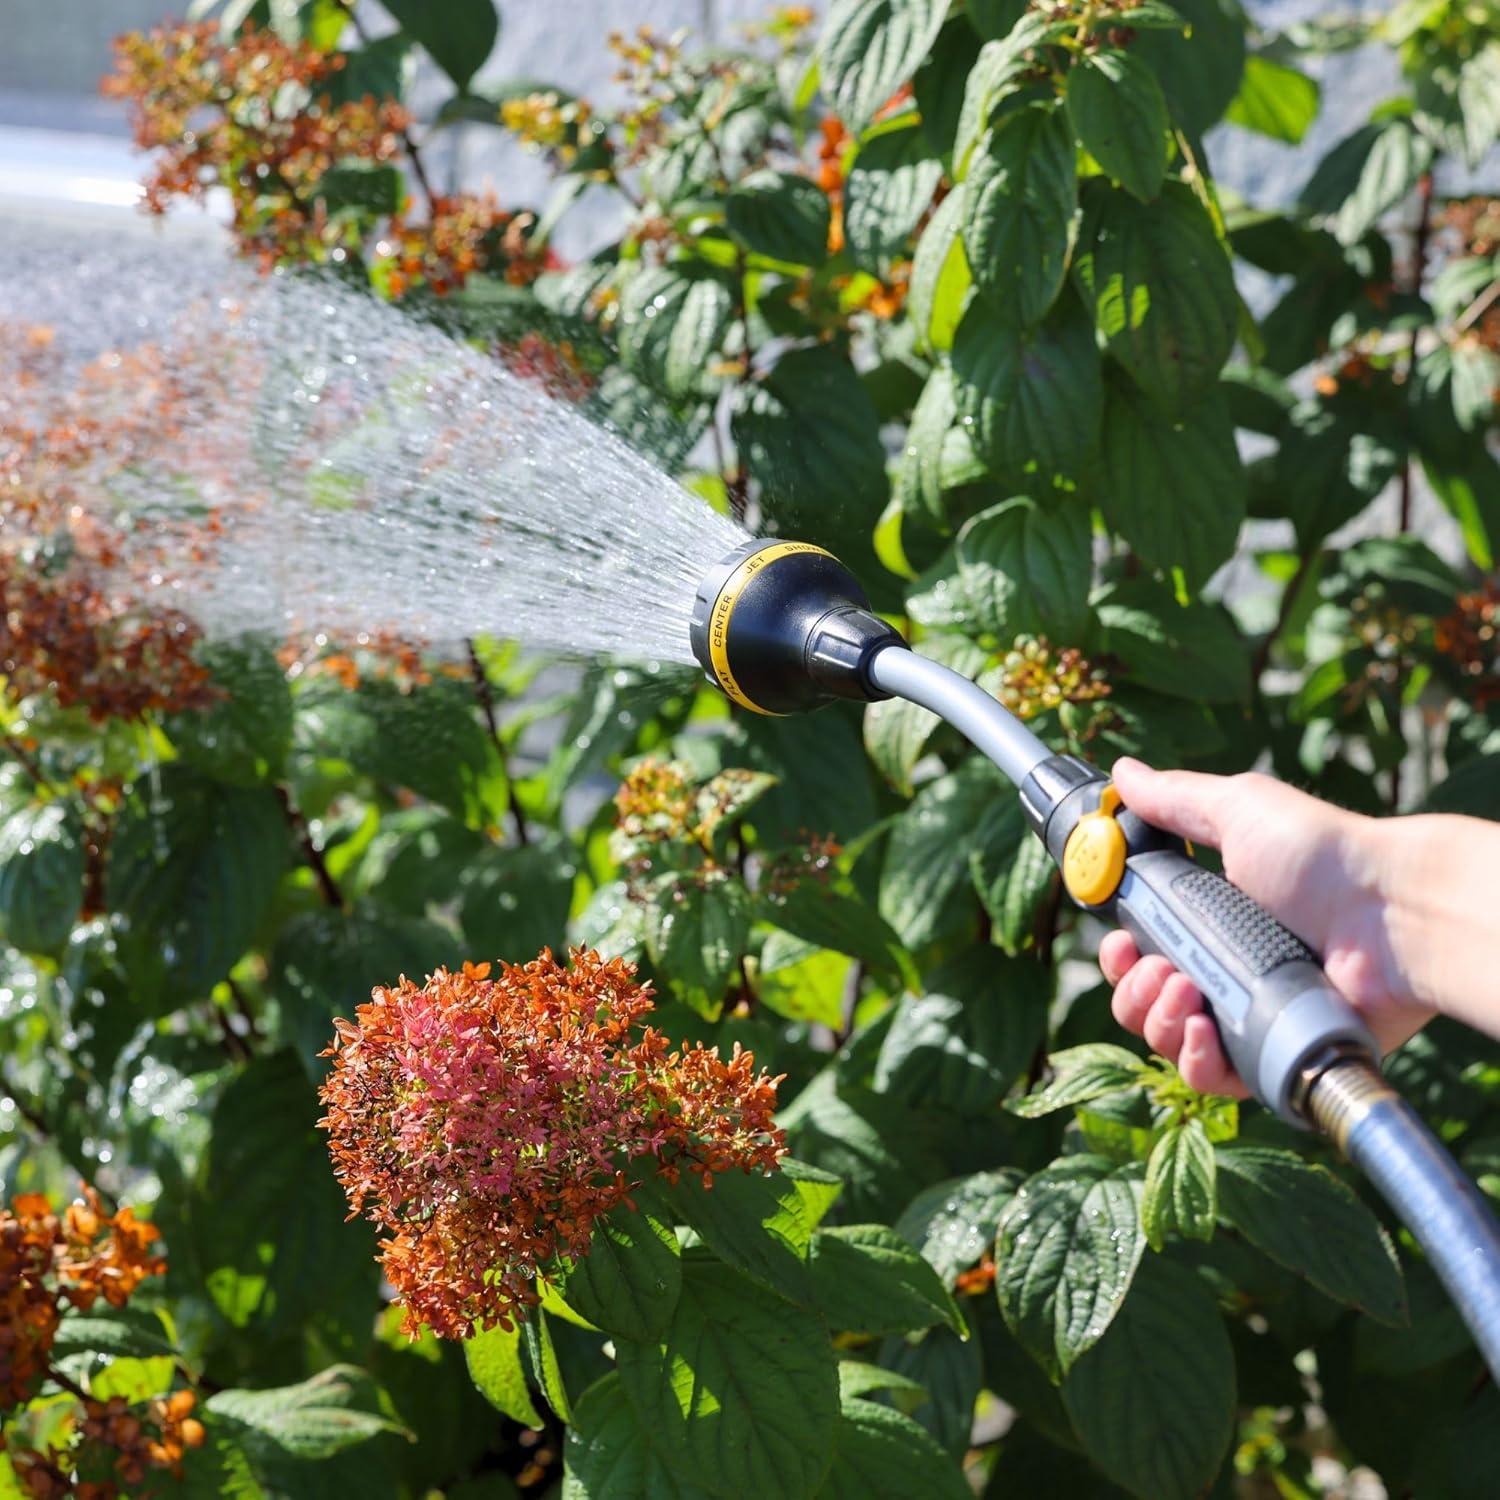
column 785, row 626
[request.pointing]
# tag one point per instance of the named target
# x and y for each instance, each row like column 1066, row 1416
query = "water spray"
column 784, row 626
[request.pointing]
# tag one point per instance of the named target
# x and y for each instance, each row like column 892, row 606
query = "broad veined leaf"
column 925, row 861
column 193, row 867
column 1079, row 1074
column 999, row 71
column 1032, row 399
column 611, row 1453
column 1367, row 174
column 882, row 1454
column 629, row 1281
column 1013, row 874
column 919, row 478
column 242, row 736
column 940, row 277
column 494, row 1361
column 1173, row 488
column 119, row 1333
column 1186, row 651
column 951, row 1370
column 1303, row 1217
column 742, row 1393
column 954, row 1223
column 542, row 1362
column 672, row 325
column 869, row 48
column 1198, row 64
column 888, row 190
column 839, row 920
column 41, row 875
column 1180, row 1188
column 1337, row 454
column 938, row 85
column 1119, row 113
column 514, row 899
column 761, row 1225
column 780, row 214
column 1154, row 1401
column 1026, row 568
column 1275, row 100
column 868, row 1279
column 1069, row 1244
column 1021, row 194
column 458, row 35
column 967, row 1038
column 314, row 1420
column 695, row 934
column 897, row 731
column 1158, row 282
column 819, row 1190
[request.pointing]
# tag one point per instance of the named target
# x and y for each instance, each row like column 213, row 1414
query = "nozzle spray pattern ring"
column 784, row 626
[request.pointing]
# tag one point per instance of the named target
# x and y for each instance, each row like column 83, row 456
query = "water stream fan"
column 784, row 626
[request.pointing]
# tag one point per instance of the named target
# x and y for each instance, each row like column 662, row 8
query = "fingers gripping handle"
column 1265, row 989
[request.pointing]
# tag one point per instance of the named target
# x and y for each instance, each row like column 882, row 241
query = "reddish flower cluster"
column 487, row 1123
column 1470, row 637
column 463, row 233
column 252, row 114
column 47, row 1261
column 556, row 367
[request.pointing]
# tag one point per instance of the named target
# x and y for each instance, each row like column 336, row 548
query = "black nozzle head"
column 785, row 626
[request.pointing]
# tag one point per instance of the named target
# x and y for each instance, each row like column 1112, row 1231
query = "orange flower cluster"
column 1470, row 637
column 1037, row 678
column 252, row 114
column 464, row 233
column 47, row 1261
column 486, row 1124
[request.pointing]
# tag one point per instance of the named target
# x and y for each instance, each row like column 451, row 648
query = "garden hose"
column 784, row 626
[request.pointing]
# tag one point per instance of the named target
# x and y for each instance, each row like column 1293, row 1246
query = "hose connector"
column 784, row 626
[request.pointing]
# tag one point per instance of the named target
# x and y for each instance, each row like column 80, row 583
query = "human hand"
column 1321, row 871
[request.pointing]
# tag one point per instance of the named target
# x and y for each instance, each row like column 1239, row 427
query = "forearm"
column 1441, row 890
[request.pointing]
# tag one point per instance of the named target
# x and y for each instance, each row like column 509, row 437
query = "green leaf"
column 925, row 864
column 1275, row 100
column 897, row 731
column 1180, row 1188
column 671, row 327
column 119, row 1333
column 1472, row 789
column 1014, row 875
column 889, row 188
column 326, row 962
column 1079, row 1074
column 312, row 1420
column 1157, row 280
column 458, row 34
column 1158, row 1425
column 1174, row 489
column 742, row 1394
column 1021, row 192
column 780, row 214
column 193, row 867
column 1000, row 71
column 940, row 275
column 695, row 935
column 41, row 875
column 1026, row 568
column 869, row 48
column 543, row 1364
column 967, row 1039
column 1367, row 174
column 994, row 19
column 761, row 1225
column 856, row 1378
column 267, row 1225
column 1119, row 114
column 629, row 1281
column 494, row 1361
column 1305, row 1219
column 954, row 1223
column 868, row 1279
column 1069, row 1243
column 1198, row 65
column 241, row 736
column 951, row 1370
column 610, row 1453
column 1186, row 651
column 809, row 434
column 881, row 1454
column 1336, row 455
column 838, row 920
column 819, row 1190
column 1475, row 382
column 514, row 900
column 1031, row 399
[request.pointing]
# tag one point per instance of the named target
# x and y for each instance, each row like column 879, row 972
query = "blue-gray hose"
column 1386, row 1139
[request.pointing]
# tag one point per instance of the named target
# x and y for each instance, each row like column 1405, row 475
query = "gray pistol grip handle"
column 1264, row 987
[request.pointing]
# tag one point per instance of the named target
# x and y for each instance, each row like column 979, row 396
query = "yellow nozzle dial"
column 1094, row 856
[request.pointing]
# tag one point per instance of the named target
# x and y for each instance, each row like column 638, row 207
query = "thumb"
column 1183, row 802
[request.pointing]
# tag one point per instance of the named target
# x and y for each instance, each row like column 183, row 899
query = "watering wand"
column 783, row 626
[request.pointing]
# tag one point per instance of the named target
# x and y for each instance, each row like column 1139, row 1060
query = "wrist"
column 1410, row 864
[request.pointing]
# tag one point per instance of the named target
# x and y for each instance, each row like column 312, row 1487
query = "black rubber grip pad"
column 1253, row 935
